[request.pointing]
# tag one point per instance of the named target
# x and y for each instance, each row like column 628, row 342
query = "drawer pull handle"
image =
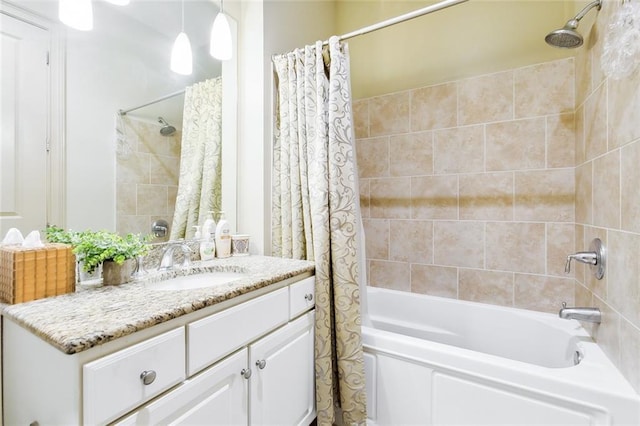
column 308, row 297
column 261, row 363
column 148, row 376
column 246, row 373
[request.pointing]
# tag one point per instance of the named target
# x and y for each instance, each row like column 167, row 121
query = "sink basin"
column 190, row 282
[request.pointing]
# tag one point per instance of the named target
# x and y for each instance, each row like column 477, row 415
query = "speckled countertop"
column 77, row 321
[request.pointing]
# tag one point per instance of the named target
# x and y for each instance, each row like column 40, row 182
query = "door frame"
column 56, row 111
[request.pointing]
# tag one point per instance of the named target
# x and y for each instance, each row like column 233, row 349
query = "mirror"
column 121, row 64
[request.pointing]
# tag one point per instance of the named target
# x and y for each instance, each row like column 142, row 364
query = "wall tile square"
column 624, row 110
column 584, row 193
column 126, row 199
column 560, row 244
column 546, row 88
column 630, row 193
column 133, row 169
column 629, row 359
column 439, row 281
column 561, row 141
column 434, row 107
column 540, row 293
column 486, row 286
column 517, row 247
column 579, row 269
column 373, row 157
column 583, row 297
column 581, row 155
column 624, row 271
column 411, row 154
column 459, row 150
column 361, row 118
column 390, row 198
column 434, row 197
column 459, row 244
column 607, row 332
column 389, row 114
column 411, row 241
column 606, row 190
column 545, row 196
column 164, row 170
column 486, row 98
column 376, row 238
column 516, row 145
column 152, row 200
column 364, row 197
column 393, row 275
column 486, row 196
column 595, row 123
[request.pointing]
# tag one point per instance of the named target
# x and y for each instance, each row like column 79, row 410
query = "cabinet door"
column 282, row 385
column 217, row 396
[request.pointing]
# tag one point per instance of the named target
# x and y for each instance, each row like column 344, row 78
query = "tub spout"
column 580, row 314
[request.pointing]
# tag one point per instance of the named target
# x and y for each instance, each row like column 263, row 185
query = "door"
column 217, row 396
column 282, row 387
column 24, row 124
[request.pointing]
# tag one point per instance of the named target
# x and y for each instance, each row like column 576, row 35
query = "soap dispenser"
column 207, row 246
column 223, row 237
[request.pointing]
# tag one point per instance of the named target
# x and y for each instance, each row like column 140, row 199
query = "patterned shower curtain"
column 316, row 213
column 200, row 181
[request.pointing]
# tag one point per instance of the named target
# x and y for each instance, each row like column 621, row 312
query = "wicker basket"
column 35, row 273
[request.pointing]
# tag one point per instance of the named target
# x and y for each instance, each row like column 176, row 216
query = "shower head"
column 167, row 129
column 567, row 37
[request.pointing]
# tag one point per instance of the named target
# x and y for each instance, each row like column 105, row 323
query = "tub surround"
column 78, row 321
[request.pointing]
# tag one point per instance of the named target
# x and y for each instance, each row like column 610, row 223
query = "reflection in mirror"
column 123, row 63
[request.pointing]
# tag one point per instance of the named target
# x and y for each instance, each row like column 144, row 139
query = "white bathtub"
column 436, row 361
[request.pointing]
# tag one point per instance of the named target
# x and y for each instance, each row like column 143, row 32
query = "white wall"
column 267, row 27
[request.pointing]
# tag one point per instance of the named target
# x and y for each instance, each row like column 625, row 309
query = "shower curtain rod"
column 402, row 18
column 170, row 95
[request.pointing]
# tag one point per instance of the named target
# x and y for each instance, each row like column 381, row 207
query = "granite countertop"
column 78, row 321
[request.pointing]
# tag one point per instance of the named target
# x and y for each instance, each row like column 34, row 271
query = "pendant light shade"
column 181, row 57
column 77, row 14
column 220, row 45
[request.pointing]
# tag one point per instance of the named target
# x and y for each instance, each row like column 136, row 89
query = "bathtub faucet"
column 580, row 314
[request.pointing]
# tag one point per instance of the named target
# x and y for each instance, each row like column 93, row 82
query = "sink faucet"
column 580, row 314
column 166, row 262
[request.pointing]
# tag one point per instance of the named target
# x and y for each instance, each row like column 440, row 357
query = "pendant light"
column 181, row 57
column 220, row 44
column 77, row 14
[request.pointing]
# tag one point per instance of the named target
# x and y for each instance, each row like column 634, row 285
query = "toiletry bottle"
column 207, row 246
column 209, row 227
column 223, row 237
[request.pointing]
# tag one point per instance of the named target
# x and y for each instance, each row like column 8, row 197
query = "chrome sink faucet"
column 166, row 262
column 580, row 314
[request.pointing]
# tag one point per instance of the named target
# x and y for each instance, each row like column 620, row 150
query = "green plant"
column 55, row 234
column 95, row 247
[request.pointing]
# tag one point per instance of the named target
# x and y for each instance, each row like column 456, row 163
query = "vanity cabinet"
column 251, row 363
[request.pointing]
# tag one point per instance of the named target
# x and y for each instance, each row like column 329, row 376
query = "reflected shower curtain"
column 316, row 213
column 200, row 181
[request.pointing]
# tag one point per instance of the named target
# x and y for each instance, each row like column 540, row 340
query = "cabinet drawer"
column 214, row 337
column 113, row 385
column 302, row 296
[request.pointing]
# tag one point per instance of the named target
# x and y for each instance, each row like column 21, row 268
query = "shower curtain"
column 316, row 213
column 200, row 181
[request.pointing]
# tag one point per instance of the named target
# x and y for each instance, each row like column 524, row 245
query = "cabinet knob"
column 261, row 363
column 308, row 297
column 148, row 376
column 246, row 373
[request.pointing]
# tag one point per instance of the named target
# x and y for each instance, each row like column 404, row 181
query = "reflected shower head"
column 167, row 129
column 567, row 37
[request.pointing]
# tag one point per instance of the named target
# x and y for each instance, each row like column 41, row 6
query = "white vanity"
column 236, row 354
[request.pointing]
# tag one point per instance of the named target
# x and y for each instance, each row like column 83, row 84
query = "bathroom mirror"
column 121, row 64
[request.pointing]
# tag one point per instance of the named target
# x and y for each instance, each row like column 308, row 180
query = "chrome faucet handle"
column 596, row 258
column 186, row 251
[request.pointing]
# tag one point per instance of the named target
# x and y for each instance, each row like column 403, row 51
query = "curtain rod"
column 171, row 95
column 402, row 18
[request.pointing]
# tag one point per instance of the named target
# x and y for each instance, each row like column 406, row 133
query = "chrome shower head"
column 167, row 129
column 567, row 37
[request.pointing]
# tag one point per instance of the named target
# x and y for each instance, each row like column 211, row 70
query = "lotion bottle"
column 209, row 227
column 223, row 237
column 207, row 246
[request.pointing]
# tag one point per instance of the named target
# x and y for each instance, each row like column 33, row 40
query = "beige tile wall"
column 468, row 187
column 478, row 189
column 608, row 197
column 146, row 177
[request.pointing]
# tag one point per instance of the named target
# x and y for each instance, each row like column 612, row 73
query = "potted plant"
column 115, row 253
column 95, row 249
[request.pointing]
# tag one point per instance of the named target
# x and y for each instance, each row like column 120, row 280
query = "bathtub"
column 437, row 361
